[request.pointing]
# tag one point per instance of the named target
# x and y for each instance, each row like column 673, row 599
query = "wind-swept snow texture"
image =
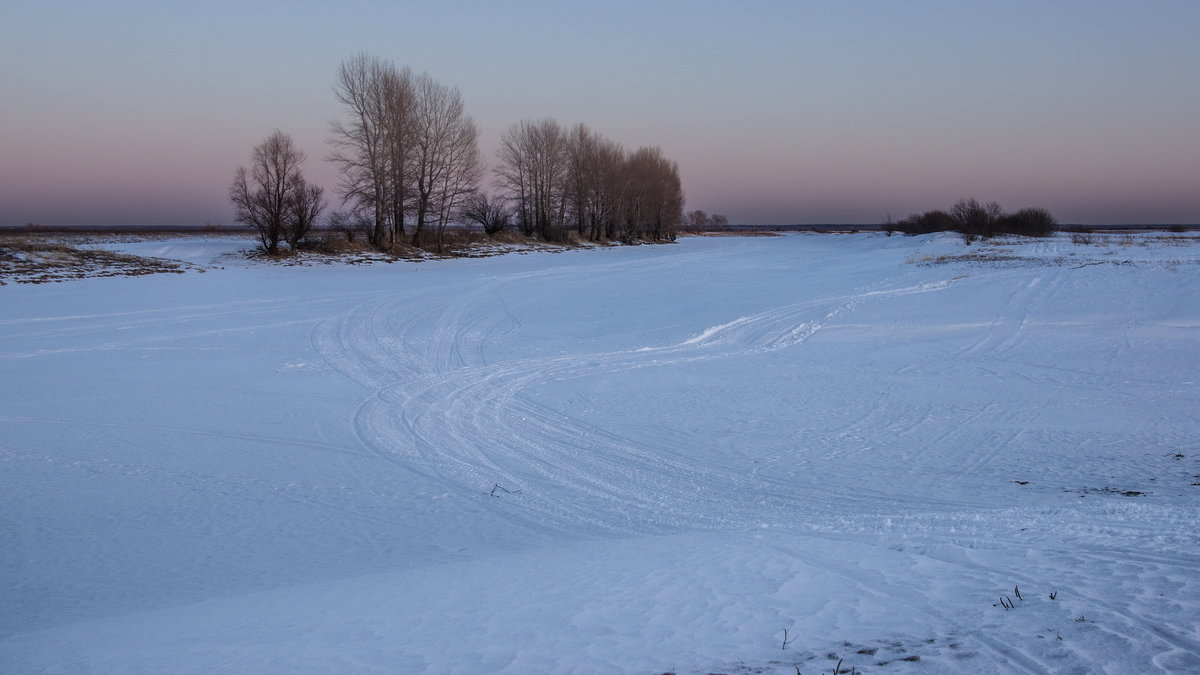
column 631, row 460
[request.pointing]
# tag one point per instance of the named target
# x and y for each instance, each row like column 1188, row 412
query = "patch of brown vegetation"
column 333, row 247
column 739, row 233
column 39, row 260
column 982, row 257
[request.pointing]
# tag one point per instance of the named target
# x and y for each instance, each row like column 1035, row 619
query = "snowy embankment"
column 639, row 459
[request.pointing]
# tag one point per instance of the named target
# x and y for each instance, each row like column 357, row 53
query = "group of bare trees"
column 407, row 155
column 407, row 152
column 699, row 221
column 973, row 219
column 273, row 196
column 558, row 179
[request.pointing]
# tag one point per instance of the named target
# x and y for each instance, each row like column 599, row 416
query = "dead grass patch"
column 994, row 258
column 39, row 260
column 332, row 247
column 746, row 233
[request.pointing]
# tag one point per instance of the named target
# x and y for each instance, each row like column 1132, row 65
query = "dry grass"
column 995, row 258
column 37, row 260
column 1105, row 249
column 1128, row 240
column 334, row 247
column 732, row 233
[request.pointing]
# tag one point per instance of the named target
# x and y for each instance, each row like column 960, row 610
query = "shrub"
column 1028, row 222
column 925, row 223
column 974, row 218
column 974, row 221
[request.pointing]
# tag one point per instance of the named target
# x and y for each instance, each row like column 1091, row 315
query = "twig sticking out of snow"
column 497, row 486
column 786, row 641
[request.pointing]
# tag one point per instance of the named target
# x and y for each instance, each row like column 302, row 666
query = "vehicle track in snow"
column 440, row 407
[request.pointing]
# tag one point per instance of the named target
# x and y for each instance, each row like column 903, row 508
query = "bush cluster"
column 972, row 219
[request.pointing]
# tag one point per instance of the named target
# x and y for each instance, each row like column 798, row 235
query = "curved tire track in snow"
column 448, row 413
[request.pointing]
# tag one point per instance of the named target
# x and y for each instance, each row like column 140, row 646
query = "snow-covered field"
column 642, row 459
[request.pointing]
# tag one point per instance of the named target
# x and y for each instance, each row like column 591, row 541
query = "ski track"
column 468, row 421
column 441, row 401
column 438, row 404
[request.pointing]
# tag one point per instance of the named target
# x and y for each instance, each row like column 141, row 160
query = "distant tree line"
column 972, row 219
column 699, row 221
column 409, row 165
column 556, row 179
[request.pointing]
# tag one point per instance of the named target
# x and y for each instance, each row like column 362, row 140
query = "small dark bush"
column 973, row 218
column 925, row 223
column 1030, row 222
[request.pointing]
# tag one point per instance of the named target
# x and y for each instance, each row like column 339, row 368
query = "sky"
column 138, row 113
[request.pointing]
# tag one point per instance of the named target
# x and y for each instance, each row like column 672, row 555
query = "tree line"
column 973, row 219
column 699, row 221
column 558, row 179
column 409, row 165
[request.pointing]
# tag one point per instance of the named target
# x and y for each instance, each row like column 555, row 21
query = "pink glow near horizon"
column 775, row 113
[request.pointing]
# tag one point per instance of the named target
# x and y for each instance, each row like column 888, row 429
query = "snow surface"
column 640, row 459
column 197, row 250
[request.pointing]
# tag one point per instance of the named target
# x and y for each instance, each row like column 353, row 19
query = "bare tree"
column 582, row 175
column 491, row 214
column 447, row 165
column 718, row 222
column 697, row 221
column 576, row 177
column 655, row 204
column 306, row 205
column 272, row 194
column 372, row 148
column 613, row 191
column 532, row 171
column 595, row 181
column 976, row 219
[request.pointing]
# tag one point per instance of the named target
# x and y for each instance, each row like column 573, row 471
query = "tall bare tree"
column 272, row 194
column 582, row 175
column 594, row 183
column 447, row 165
column 655, row 205
column 372, row 148
column 532, row 171
column 613, row 191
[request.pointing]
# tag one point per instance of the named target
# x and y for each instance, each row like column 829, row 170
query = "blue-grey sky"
column 777, row 112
